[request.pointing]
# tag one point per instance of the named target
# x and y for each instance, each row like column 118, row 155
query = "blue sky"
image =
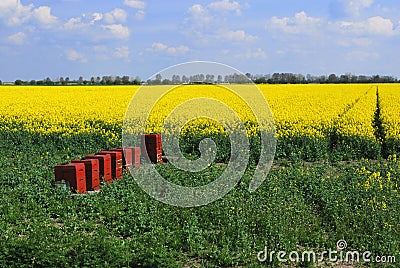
column 47, row 38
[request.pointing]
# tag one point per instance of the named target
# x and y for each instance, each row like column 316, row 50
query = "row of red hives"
column 83, row 175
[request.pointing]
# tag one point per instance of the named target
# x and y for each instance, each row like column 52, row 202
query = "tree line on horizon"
column 276, row 78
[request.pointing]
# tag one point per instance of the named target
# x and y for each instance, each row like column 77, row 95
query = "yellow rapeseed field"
column 299, row 110
column 390, row 101
column 313, row 110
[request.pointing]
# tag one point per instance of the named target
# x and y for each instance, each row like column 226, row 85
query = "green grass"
column 301, row 205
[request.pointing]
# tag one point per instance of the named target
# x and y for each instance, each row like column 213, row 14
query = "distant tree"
column 210, row 78
column 98, row 80
column 137, row 81
column 260, row 80
column 117, row 80
column 126, row 80
column 66, row 80
column 249, row 76
column 158, row 80
column 80, row 80
column 40, row 82
column 176, row 79
column 92, row 80
column 364, row 79
column 62, row 81
column 293, row 79
column 219, row 79
column 226, row 79
column 18, row 82
column 166, row 82
column 185, row 79
column 344, row 79
column 332, row 78
column 48, row 82
column 1, row 82
column 109, row 80
column 32, row 83
column 376, row 79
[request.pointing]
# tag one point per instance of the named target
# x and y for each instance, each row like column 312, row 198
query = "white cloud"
column 160, row 47
column 361, row 41
column 239, row 35
column 118, row 31
column 200, row 15
column 140, row 15
column 135, row 4
column 122, row 52
column 74, row 23
column 204, row 16
column 225, row 51
column 299, row 24
column 353, row 7
column 362, row 55
column 374, row 26
column 74, row 55
column 88, row 20
column 8, row 4
column 117, row 15
column 349, row 42
column 100, row 48
column 14, row 13
column 248, row 54
column 17, row 39
column 256, row 54
column 43, row 15
column 100, row 26
column 178, row 50
column 225, row 6
column 141, row 5
column 96, row 17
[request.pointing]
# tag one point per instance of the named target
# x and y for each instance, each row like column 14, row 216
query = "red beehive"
column 126, row 156
column 153, row 145
column 74, row 174
column 155, row 155
column 92, row 173
column 135, row 155
column 116, row 163
column 151, row 140
column 104, row 166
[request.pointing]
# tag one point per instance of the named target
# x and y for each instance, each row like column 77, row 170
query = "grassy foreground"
column 300, row 206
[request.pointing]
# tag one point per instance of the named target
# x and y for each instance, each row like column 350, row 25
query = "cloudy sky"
column 47, row 38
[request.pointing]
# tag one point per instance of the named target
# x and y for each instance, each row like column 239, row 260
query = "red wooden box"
column 126, row 156
column 73, row 174
column 135, row 155
column 154, row 155
column 116, row 163
column 92, row 173
column 151, row 143
column 104, row 166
